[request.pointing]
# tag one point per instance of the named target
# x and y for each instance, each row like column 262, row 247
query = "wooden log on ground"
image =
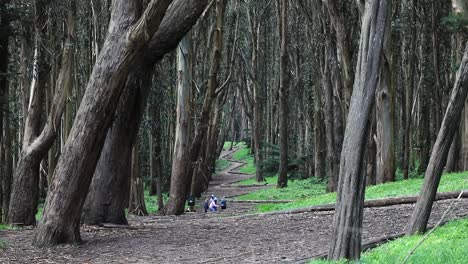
column 367, row 204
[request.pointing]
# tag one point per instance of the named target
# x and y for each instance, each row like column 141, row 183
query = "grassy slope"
column 243, row 154
column 447, row 244
column 311, row 192
column 308, row 193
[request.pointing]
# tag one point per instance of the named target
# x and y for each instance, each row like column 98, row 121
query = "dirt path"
column 212, row 238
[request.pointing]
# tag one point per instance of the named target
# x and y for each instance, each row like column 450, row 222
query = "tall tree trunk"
column 24, row 197
column 209, row 98
column 347, row 222
column 283, row 98
column 180, row 177
column 4, row 108
column 109, row 189
column 75, row 168
column 409, row 78
column 137, row 204
column 385, row 160
column 450, row 124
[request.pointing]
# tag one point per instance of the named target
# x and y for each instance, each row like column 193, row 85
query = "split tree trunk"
column 450, row 124
column 75, row 168
column 109, row 190
column 25, row 189
column 347, row 222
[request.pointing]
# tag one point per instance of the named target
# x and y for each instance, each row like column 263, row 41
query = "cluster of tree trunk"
column 102, row 99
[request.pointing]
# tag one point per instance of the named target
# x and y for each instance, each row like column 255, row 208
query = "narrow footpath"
column 215, row 237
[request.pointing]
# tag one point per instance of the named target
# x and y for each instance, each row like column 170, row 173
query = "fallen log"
column 367, row 204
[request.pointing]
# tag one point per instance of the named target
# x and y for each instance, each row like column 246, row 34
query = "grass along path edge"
column 306, row 193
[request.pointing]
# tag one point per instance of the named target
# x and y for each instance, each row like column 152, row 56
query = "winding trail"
column 213, row 237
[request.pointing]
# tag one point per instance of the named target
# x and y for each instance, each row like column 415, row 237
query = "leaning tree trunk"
column 180, row 177
column 109, row 190
column 75, row 168
column 283, row 98
column 450, row 124
column 347, row 222
column 111, row 179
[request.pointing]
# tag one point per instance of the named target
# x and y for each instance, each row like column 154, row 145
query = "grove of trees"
column 101, row 99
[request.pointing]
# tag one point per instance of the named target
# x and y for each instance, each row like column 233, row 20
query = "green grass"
column 270, row 180
column 151, row 202
column 227, row 144
column 4, row 227
column 296, row 190
column 316, row 195
column 244, row 155
column 447, row 244
column 222, row 165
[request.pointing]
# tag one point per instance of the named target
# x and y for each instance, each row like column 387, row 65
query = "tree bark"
column 137, row 204
column 75, row 168
column 180, row 178
column 450, row 124
column 25, row 190
column 109, row 190
column 347, row 222
column 409, row 79
column 283, row 98
column 385, row 160
column 177, row 203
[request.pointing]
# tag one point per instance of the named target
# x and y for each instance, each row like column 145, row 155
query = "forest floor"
column 228, row 236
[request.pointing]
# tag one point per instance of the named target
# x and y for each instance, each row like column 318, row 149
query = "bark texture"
column 75, row 168
column 180, row 178
column 109, row 190
column 347, row 222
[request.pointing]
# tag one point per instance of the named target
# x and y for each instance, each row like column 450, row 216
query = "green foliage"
column 4, row 227
column 447, row 244
column 449, row 182
column 151, row 202
column 455, row 23
column 40, row 210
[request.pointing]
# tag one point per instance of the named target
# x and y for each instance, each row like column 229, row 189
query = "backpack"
column 223, row 204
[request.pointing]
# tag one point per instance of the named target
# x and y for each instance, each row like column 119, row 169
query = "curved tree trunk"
column 109, row 190
column 76, row 166
column 347, row 221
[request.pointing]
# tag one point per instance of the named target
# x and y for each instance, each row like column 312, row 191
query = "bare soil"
column 214, row 237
